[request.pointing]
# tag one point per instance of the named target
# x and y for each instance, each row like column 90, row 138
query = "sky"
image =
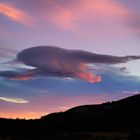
column 57, row 54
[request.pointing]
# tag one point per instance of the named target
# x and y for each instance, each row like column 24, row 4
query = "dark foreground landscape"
column 118, row 120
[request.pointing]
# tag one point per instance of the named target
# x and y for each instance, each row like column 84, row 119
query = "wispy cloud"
column 79, row 12
column 82, row 16
column 78, row 16
column 6, row 52
column 130, row 92
column 15, row 14
column 14, row 100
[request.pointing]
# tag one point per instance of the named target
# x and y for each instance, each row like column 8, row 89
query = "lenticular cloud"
column 14, row 100
column 59, row 62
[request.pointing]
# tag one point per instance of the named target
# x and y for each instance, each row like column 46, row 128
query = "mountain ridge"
column 121, row 116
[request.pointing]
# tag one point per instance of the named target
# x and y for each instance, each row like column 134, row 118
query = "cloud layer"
column 71, row 15
column 78, row 15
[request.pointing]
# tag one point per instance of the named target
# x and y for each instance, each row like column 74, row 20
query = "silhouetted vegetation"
column 118, row 120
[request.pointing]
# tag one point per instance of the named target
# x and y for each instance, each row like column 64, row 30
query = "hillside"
column 121, row 116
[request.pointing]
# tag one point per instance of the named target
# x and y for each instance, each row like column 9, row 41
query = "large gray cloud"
column 44, row 56
column 55, row 61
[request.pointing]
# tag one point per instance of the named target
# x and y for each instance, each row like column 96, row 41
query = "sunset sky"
column 106, row 27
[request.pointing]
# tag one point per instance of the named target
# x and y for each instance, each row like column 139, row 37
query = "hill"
column 119, row 118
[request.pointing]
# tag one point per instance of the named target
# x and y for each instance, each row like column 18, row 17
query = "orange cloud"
column 15, row 14
column 90, row 77
column 84, row 74
column 23, row 78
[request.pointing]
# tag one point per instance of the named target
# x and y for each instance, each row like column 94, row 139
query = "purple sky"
column 110, row 27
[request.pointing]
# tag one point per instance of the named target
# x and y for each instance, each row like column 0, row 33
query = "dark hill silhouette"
column 118, row 116
column 129, row 104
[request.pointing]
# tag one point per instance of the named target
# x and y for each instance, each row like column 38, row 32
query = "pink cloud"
column 71, row 16
column 15, row 14
column 93, row 18
column 89, row 18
